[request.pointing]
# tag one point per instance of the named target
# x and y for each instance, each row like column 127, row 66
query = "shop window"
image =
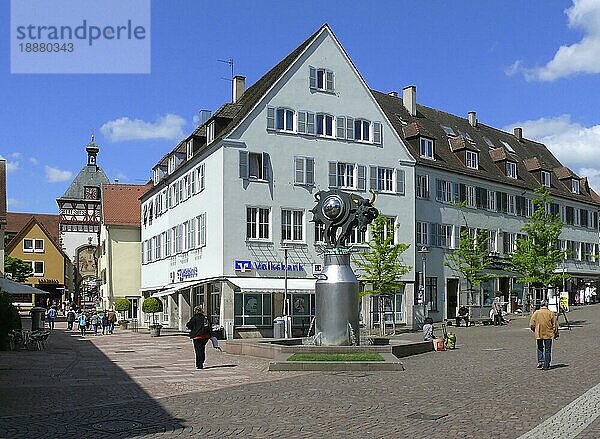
column 252, row 309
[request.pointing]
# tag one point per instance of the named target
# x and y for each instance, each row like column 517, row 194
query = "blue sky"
column 534, row 64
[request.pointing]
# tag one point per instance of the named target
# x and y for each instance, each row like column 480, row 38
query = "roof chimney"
column 409, row 99
column 472, row 118
column 518, row 132
column 393, row 94
column 204, row 115
column 239, row 86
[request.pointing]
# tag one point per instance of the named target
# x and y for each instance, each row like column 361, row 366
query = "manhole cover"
column 426, row 416
column 116, row 425
column 147, row 367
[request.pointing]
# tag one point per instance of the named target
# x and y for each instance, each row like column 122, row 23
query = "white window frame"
column 189, row 146
column 511, row 169
column 296, row 225
column 472, row 159
column 471, row 197
column 325, row 76
column 362, row 130
column 491, row 201
column 427, row 148
column 386, row 180
column 511, row 205
column 28, row 245
column 210, row 132
column 422, row 233
column 325, row 117
column 545, row 178
column 201, row 229
column 201, row 177
column 422, row 189
column 259, row 157
column 346, row 174
column 285, row 126
column 36, row 272
column 254, row 217
column 575, row 186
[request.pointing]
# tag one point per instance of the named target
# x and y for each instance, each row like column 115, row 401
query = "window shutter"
column 362, row 177
column 244, row 164
column 438, row 189
column 400, row 181
column 462, row 192
column 266, row 166
column 302, row 122
column 377, row 133
column 349, row 128
column 310, row 171
column 329, row 81
column 312, row 77
column 299, row 170
column 270, row 118
column 310, row 123
column 341, row 127
column 373, row 178
column 332, row 174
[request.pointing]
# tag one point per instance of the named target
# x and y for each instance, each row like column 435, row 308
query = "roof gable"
column 121, row 204
column 33, row 221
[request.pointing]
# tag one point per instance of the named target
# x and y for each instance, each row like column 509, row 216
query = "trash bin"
column 37, row 318
column 279, row 327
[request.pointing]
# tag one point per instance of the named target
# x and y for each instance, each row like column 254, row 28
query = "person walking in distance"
column 70, row 319
column 200, row 332
column 112, row 319
column 545, row 326
column 82, row 320
column 51, row 314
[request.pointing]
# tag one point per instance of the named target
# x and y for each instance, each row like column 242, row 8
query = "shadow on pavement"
column 220, row 365
column 72, row 387
column 558, row 366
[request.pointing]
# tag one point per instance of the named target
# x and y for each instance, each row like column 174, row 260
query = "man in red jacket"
column 545, row 325
column 200, row 332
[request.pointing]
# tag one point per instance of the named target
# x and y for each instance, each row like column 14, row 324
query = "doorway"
column 452, row 295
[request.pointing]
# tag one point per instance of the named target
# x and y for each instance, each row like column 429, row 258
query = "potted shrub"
column 123, row 305
column 152, row 305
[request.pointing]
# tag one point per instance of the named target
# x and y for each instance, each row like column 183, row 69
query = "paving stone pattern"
column 132, row 385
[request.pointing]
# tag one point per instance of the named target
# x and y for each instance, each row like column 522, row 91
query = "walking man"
column 70, row 319
column 545, row 325
column 51, row 314
column 200, row 332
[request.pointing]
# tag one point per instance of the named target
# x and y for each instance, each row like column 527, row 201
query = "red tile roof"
column 15, row 222
column 121, row 204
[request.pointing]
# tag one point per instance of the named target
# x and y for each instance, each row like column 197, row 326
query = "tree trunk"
column 393, row 314
column 381, row 316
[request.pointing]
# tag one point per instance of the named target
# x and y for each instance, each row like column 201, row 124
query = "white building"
column 228, row 199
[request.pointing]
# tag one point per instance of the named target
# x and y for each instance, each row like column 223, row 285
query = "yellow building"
column 30, row 238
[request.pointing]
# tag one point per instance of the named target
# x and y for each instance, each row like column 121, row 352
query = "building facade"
column 233, row 199
column 79, row 211
column 227, row 223
column 33, row 239
column 119, row 260
column 2, row 212
column 470, row 175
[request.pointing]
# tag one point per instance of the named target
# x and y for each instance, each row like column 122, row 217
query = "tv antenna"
column 231, row 63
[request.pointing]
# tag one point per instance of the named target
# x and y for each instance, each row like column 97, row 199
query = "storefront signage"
column 186, row 273
column 241, row 266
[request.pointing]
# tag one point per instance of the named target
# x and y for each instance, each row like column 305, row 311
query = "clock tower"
column 79, row 220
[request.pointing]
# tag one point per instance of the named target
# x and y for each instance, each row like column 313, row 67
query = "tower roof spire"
column 92, row 150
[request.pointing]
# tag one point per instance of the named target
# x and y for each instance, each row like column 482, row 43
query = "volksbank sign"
column 244, row 266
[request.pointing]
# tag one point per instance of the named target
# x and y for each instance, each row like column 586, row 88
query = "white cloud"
column 168, row 127
column 34, row 161
column 582, row 57
column 55, row 175
column 16, row 155
column 10, row 166
column 576, row 146
column 13, row 203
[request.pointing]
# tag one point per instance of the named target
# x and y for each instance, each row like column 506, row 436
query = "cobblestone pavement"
column 129, row 385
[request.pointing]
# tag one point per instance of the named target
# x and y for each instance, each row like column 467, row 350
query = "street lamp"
column 286, row 307
column 423, row 292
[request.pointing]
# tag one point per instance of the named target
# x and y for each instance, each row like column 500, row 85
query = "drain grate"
column 426, row 416
column 147, row 367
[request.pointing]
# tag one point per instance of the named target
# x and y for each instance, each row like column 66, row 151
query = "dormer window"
column 210, row 132
column 426, row 148
column 285, row 119
column 511, row 169
column 545, row 178
column 575, row 186
column 321, row 79
column 472, row 159
column 190, row 148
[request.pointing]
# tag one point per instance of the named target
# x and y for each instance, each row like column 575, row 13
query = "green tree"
column 122, row 305
column 537, row 257
column 471, row 260
column 152, row 305
column 382, row 265
column 19, row 269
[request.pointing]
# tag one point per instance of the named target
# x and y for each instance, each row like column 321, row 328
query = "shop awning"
column 272, row 284
column 13, row 287
column 173, row 288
